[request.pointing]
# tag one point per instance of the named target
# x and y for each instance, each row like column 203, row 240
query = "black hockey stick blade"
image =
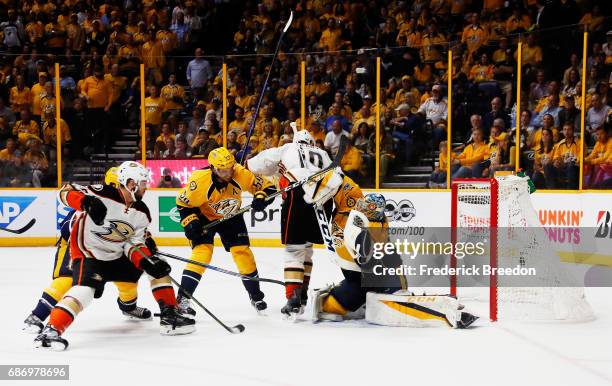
column 22, row 229
column 237, row 329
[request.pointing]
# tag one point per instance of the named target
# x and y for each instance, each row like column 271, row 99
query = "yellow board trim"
column 586, row 258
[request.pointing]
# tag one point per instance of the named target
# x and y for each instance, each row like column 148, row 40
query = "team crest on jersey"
column 116, row 232
column 227, row 206
column 193, row 186
column 350, row 202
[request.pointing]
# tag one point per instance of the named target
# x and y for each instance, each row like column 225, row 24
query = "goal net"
column 499, row 211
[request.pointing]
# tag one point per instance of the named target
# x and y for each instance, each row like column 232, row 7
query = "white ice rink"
column 105, row 349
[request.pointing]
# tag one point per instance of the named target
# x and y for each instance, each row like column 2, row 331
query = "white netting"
column 520, row 241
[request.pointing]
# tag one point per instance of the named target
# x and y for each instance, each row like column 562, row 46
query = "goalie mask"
column 373, row 206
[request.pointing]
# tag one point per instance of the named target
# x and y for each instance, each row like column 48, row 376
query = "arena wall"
column 585, row 217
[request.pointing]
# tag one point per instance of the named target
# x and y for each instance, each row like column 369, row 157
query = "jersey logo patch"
column 193, row 186
column 227, row 206
column 117, row 232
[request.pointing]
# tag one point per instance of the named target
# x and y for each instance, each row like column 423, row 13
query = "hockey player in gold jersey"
column 211, row 194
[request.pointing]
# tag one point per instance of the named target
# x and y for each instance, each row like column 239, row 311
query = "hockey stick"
column 271, row 197
column 237, row 329
column 232, row 273
column 263, row 90
column 22, row 229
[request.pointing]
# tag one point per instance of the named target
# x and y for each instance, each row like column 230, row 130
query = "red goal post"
column 478, row 185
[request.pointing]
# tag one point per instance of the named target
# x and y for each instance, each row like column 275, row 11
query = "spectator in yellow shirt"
column 438, row 176
column 331, row 37
column 472, row 155
column 20, row 96
column 98, row 93
column 173, row 95
column 37, row 92
column 532, row 53
column 407, row 90
column 598, row 164
column 154, row 107
column 351, row 162
column 565, row 161
column 153, row 57
column 26, row 127
column 483, row 71
column 268, row 139
column 10, row 153
column 474, row 35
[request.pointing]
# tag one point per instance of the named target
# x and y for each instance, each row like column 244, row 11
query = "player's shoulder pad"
column 142, row 207
column 106, row 191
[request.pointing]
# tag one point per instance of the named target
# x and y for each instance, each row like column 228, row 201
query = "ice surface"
column 107, row 349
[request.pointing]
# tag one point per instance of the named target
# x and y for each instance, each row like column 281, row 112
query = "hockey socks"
column 163, row 292
column 189, row 282
column 77, row 298
column 51, row 296
column 252, row 287
column 44, row 306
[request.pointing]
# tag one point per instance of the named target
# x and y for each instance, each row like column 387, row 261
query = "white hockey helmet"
column 303, row 136
column 131, row 170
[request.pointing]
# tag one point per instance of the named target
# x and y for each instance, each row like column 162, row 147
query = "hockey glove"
column 155, row 267
column 259, row 202
column 95, row 208
column 193, row 229
column 150, row 243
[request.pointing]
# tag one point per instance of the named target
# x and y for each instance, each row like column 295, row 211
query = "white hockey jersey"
column 295, row 161
column 289, row 159
column 106, row 242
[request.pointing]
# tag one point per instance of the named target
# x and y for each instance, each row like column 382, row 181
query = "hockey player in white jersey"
column 107, row 243
column 299, row 226
column 385, row 298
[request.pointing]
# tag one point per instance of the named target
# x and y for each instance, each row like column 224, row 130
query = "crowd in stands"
column 100, row 44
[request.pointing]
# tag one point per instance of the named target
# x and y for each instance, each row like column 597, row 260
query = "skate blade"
column 136, row 319
column 169, row 331
column 261, row 312
column 31, row 329
column 291, row 318
column 54, row 346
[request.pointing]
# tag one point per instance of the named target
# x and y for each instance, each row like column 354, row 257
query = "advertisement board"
column 179, row 169
column 578, row 225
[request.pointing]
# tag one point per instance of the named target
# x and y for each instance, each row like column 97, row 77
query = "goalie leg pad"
column 349, row 293
column 406, row 310
column 326, row 307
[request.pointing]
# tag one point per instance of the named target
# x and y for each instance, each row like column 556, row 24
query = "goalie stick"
column 212, row 267
column 21, row 230
column 320, row 214
column 237, row 329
